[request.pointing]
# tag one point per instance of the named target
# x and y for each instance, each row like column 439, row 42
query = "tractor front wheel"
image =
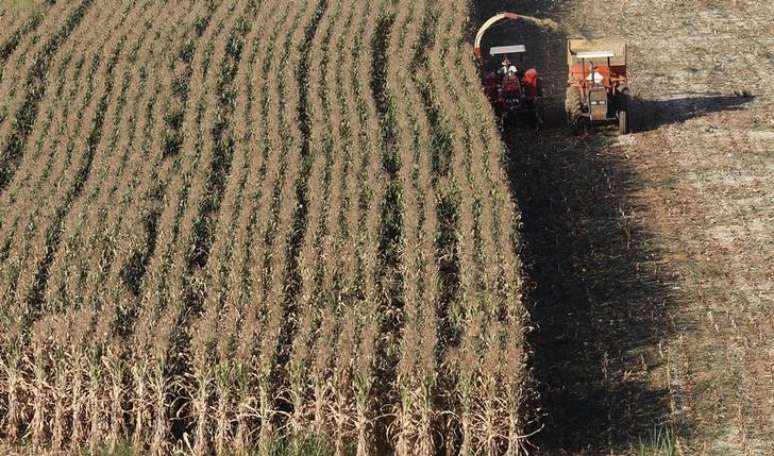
column 574, row 108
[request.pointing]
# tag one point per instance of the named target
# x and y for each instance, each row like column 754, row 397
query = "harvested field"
column 297, row 227
column 647, row 256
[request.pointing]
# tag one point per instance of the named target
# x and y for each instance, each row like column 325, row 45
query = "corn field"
column 228, row 227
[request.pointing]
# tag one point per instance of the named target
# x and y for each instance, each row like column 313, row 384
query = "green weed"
column 662, row 442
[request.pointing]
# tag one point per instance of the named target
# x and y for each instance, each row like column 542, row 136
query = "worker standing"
column 503, row 71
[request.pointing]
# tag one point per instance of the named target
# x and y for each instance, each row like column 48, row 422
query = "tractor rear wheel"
column 574, row 108
column 623, row 112
column 623, row 122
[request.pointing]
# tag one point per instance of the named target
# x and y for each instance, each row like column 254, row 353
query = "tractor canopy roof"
column 513, row 49
column 604, row 48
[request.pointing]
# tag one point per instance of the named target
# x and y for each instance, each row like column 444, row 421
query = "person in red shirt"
column 530, row 83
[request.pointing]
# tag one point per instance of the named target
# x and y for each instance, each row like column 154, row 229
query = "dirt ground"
column 651, row 256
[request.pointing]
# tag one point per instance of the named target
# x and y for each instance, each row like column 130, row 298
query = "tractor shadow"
column 647, row 115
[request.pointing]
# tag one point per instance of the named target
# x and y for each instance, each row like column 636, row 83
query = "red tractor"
column 597, row 90
column 513, row 91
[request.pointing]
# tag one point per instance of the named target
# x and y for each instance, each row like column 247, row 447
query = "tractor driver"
column 503, row 71
column 511, row 80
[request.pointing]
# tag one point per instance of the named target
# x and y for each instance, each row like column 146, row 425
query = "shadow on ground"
column 597, row 293
column 649, row 115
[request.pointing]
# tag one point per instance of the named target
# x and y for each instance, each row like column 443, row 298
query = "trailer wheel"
column 623, row 112
column 574, row 108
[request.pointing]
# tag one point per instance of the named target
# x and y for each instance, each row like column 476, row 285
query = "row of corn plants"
column 465, row 325
column 23, row 94
column 371, row 180
column 104, row 385
column 307, row 393
column 499, row 415
column 290, row 214
column 71, row 164
column 161, row 95
column 41, row 362
column 416, row 410
column 172, row 297
column 334, row 405
column 284, row 224
column 87, row 248
column 13, row 396
column 17, row 23
column 87, row 251
column 45, row 136
column 20, row 56
column 29, row 243
column 165, row 198
column 88, row 317
column 241, row 316
column 271, row 230
column 36, row 170
column 212, row 343
column 145, row 142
